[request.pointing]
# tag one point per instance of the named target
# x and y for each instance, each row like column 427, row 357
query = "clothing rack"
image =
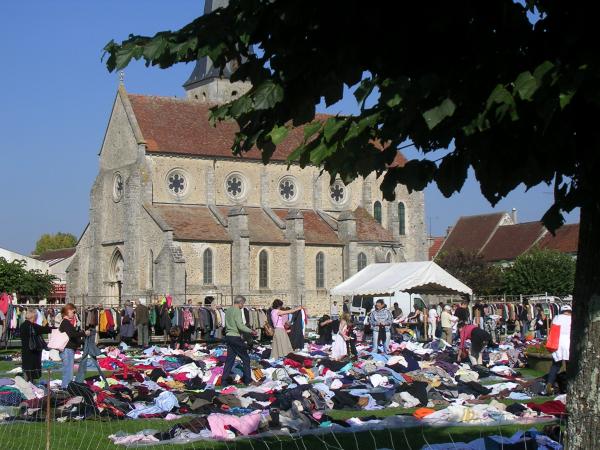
column 14, row 318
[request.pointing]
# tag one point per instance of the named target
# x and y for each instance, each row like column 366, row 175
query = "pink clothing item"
column 169, row 300
column 278, row 321
column 214, row 374
column 188, row 319
column 246, row 424
column 229, row 390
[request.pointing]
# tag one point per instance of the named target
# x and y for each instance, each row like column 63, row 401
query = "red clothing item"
column 465, row 334
column 552, row 407
column 110, row 322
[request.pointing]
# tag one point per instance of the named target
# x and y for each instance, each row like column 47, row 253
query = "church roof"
column 191, row 223
column 316, row 230
column 261, row 227
column 181, row 126
column 368, row 229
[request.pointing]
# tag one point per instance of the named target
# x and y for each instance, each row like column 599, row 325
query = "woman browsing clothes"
column 564, row 342
column 68, row 354
column 32, row 345
column 479, row 340
column 281, row 345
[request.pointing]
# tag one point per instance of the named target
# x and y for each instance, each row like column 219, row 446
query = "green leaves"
column 526, row 85
column 278, row 134
column 435, row 115
column 267, row 95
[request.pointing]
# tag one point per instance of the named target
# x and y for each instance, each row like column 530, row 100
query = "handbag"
column 58, row 340
column 36, row 343
column 553, row 338
column 268, row 329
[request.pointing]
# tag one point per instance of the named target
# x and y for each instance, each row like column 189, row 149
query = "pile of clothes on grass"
column 295, row 394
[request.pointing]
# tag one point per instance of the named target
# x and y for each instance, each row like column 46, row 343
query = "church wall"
column 193, row 253
column 152, row 240
column 193, row 168
column 279, row 271
column 77, row 271
column 317, row 301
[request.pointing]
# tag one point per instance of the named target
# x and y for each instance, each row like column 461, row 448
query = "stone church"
column 173, row 212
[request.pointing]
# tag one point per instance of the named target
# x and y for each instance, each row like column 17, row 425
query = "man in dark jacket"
column 142, row 318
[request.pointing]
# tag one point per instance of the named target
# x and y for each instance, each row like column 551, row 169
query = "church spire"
column 206, row 83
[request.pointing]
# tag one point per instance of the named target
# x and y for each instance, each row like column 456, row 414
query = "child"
column 176, row 338
column 339, row 348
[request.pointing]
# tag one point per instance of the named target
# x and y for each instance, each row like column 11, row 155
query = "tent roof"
column 414, row 277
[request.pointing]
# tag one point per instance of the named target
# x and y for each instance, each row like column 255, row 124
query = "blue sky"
column 56, row 101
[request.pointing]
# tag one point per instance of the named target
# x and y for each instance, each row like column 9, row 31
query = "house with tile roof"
column 499, row 238
column 172, row 211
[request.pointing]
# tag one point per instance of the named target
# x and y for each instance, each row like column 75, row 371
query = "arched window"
column 207, row 267
column 320, row 268
column 151, row 270
column 388, row 257
column 362, row 261
column 263, row 269
column 377, row 211
column 401, row 219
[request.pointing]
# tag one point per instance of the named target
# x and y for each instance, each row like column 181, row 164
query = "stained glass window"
column 377, row 211
column 207, row 266
column 235, row 185
column 338, row 192
column 287, row 189
column 263, row 269
column 177, row 183
column 401, row 219
column 362, row 261
column 320, row 269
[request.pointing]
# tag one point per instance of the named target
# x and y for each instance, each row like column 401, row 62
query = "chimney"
column 514, row 216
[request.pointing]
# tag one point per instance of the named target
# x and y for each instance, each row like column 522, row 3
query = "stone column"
column 366, row 198
column 240, row 250
column 294, row 233
column 347, row 234
column 209, row 179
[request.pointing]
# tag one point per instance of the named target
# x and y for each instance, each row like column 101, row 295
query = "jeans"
column 236, row 347
column 68, row 359
column 554, row 369
column 524, row 328
column 386, row 343
column 142, row 335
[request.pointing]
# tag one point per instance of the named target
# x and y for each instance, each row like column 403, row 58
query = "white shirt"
column 564, row 321
column 433, row 315
column 334, row 310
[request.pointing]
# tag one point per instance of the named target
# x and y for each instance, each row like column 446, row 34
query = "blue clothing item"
column 492, row 442
column 519, row 396
column 165, row 402
column 386, row 342
column 68, row 359
column 395, row 375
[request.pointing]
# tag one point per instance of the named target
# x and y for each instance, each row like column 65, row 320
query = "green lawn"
column 93, row 434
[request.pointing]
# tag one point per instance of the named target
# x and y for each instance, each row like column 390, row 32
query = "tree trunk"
column 583, row 399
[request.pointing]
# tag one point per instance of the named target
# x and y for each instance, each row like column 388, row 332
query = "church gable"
column 120, row 144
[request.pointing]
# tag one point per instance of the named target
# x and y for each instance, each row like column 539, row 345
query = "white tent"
column 414, row 277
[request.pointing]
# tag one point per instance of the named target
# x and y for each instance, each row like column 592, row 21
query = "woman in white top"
column 564, row 342
column 432, row 318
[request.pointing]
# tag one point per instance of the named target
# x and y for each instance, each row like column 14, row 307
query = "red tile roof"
column 180, row 126
column 472, row 232
column 261, row 227
column 434, row 248
column 193, row 223
column 368, row 229
column 565, row 241
column 510, row 241
column 316, row 230
column 61, row 253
